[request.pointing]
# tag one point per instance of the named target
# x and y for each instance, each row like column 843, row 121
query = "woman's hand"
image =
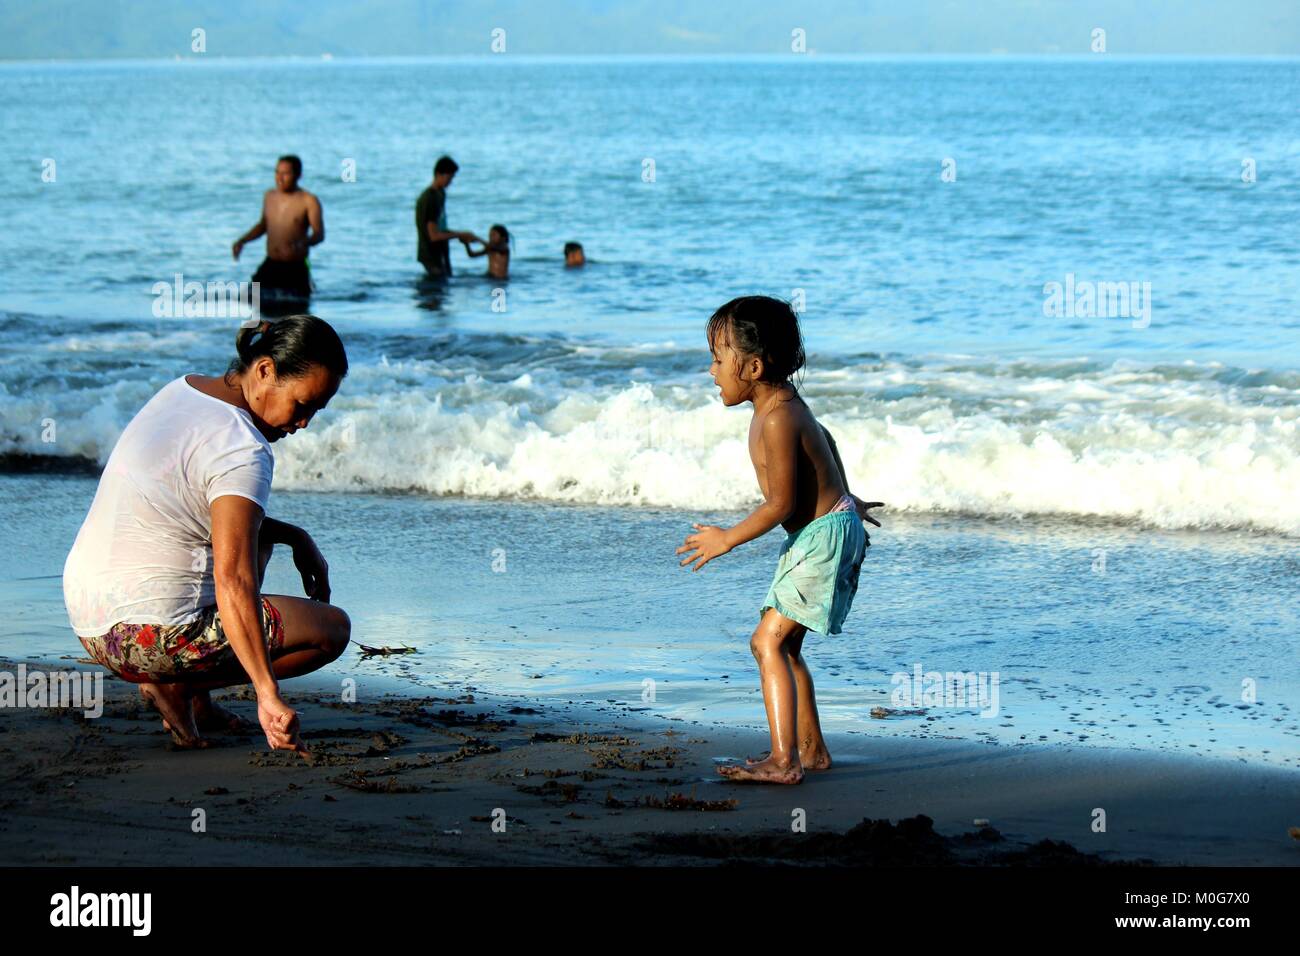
column 280, row 724
column 708, row 542
column 313, row 568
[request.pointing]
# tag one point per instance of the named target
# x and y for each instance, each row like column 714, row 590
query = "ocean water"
column 1102, row 507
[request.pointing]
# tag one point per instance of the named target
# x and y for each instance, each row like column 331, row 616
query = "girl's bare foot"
column 211, row 716
column 177, row 711
column 765, row 771
column 814, row 761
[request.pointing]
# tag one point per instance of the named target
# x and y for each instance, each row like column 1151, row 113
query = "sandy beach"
column 407, row 780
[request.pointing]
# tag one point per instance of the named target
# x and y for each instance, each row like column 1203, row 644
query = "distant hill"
column 162, row 28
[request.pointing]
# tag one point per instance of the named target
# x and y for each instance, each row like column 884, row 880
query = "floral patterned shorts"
column 158, row 653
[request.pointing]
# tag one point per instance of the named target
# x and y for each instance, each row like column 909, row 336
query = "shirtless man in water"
column 292, row 223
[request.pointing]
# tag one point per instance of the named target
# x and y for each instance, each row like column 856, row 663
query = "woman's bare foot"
column 814, row 761
column 212, row 716
column 765, row 771
column 177, row 711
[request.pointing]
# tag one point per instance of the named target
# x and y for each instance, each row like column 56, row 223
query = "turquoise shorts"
column 817, row 572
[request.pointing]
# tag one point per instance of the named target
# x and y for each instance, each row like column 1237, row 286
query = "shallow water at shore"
column 1100, row 633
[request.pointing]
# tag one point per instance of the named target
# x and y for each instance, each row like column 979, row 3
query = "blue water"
column 771, row 174
column 1010, row 445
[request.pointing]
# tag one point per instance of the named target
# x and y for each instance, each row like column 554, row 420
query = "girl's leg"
column 812, row 746
column 813, row 754
column 780, row 697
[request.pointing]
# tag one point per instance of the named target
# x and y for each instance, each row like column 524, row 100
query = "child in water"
column 497, row 249
column 757, row 346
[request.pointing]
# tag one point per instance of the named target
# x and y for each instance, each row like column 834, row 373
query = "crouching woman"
column 163, row 584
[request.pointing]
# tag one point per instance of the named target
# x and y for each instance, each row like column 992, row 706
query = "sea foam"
column 1175, row 446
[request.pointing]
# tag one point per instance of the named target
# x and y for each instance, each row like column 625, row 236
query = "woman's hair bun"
column 294, row 344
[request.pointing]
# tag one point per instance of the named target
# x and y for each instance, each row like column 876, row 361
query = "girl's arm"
column 862, row 505
column 780, row 450
column 780, row 455
column 835, row 452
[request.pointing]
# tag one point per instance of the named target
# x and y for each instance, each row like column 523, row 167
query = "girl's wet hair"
column 505, row 234
column 294, row 344
column 765, row 328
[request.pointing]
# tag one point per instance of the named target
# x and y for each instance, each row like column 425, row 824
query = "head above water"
column 756, row 342
column 573, row 254
column 498, row 235
column 287, row 370
column 444, row 170
column 288, row 170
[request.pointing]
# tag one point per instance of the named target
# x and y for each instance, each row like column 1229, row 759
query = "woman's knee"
column 325, row 628
column 339, row 631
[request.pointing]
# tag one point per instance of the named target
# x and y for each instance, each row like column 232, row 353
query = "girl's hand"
column 862, row 507
column 707, row 543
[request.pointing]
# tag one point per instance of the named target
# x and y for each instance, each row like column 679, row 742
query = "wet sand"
column 407, row 780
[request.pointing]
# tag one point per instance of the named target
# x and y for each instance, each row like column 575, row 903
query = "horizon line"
column 326, row 56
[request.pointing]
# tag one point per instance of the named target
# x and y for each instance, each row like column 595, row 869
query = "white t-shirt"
column 144, row 552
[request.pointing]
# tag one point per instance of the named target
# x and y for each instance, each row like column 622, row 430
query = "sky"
column 72, row 29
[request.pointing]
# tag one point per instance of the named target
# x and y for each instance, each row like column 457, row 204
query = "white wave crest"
column 1175, row 447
